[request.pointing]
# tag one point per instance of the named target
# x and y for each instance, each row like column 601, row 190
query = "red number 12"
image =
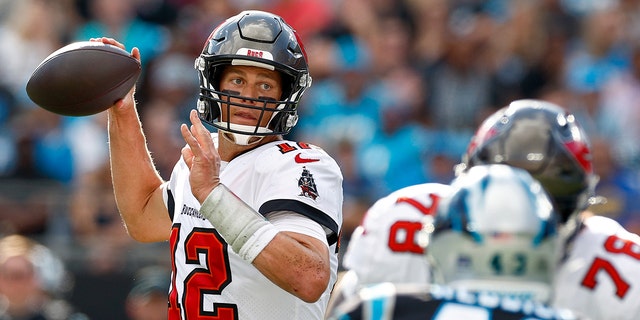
column 210, row 280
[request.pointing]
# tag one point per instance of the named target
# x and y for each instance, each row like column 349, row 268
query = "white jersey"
column 385, row 248
column 209, row 280
column 600, row 276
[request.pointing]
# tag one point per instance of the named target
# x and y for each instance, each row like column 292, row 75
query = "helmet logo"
column 581, row 153
column 307, row 185
column 252, row 53
column 255, row 53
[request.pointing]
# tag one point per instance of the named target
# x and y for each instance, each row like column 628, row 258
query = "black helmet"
column 253, row 38
column 545, row 140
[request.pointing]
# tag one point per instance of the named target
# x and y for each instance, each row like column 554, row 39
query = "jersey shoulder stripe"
column 306, row 210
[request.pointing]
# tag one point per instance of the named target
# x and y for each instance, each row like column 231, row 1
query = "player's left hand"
column 201, row 157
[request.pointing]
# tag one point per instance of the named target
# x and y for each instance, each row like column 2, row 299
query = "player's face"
column 251, row 82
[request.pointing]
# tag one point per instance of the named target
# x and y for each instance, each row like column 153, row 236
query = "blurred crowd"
column 398, row 88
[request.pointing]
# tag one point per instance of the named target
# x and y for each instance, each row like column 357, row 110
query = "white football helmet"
column 496, row 232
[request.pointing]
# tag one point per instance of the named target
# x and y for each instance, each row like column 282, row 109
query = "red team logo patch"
column 307, row 184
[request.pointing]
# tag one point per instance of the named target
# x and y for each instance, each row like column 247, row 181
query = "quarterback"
column 252, row 219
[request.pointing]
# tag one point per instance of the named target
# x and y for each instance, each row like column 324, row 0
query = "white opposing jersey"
column 600, row 277
column 384, row 248
column 209, row 280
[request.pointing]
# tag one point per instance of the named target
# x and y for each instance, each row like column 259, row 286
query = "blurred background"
column 398, row 88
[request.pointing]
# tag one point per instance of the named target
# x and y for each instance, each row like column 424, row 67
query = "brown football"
column 83, row 78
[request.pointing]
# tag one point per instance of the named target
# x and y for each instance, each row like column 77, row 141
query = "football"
column 83, row 78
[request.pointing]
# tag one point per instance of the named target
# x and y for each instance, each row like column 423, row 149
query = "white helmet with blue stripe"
column 496, row 232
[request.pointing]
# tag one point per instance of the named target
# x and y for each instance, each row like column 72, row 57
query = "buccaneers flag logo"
column 307, row 185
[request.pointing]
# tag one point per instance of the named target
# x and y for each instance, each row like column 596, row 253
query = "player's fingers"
column 104, row 40
column 195, row 120
column 112, row 41
column 200, row 132
column 189, row 139
column 186, row 134
column 193, row 116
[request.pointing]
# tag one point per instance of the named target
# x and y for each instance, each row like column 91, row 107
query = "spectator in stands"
column 147, row 299
column 32, row 280
column 118, row 19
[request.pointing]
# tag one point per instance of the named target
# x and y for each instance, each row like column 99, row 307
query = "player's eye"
column 265, row 86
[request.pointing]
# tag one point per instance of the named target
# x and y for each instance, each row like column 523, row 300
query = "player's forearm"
column 297, row 265
column 135, row 179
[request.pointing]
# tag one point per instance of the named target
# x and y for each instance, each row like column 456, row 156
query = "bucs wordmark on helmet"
column 545, row 140
column 253, row 38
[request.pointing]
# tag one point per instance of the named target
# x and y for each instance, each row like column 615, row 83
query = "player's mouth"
column 244, row 117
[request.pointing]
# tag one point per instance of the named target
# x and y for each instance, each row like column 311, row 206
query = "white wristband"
column 246, row 231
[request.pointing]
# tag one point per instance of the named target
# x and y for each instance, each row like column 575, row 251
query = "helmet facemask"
column 214, row 106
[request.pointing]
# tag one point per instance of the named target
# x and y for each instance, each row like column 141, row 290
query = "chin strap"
column 243, row 139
